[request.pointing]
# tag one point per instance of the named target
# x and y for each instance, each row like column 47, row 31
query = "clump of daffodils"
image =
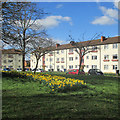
column 56, row 83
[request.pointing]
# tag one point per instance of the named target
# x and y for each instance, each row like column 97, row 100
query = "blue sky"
column 78, row 18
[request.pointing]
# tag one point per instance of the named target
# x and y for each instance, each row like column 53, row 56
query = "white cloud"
column 109, row 16
column 117, row 4
column 59, row 41
column 109, row 12
column 51, row 21
column 59, row 6
column 104, row 20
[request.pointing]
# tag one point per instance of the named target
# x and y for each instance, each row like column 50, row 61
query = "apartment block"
column 11, row 58
column 64, row 57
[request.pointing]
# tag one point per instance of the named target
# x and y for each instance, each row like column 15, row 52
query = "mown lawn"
column 24, row 99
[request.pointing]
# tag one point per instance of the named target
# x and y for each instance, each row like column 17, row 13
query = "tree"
column 82, row 48
column 41, row 46
column 19, row 25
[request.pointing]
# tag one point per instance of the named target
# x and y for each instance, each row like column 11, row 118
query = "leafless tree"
column 19, row 24
column 82, row 48
column 41, row 46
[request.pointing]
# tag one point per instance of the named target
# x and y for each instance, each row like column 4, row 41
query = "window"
column 105, row 46
column 115, row 56
column 10, row 56
column 62, row 59
column 51, row 53
column 87, row 57
column 82, row 60
column 57, row 59
column 105, row 67
column 71, row 50
column 57, row 66
column 115, row 45
column 76, row 66
column 4, row 61
column 47, row 59
column 62, row 67
column 51, row 59
column 70, row 66
column 76, row 58
column 106, row 57
column 94, row 66
column 70, row 58
column 87, row 66
column 94, row 47
column 62, row 51
column 57, row 51
column 114, row 67
column 94, row 57
column 10, row 61
column 50, row 66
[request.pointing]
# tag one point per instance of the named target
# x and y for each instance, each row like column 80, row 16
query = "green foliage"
column 32, row 100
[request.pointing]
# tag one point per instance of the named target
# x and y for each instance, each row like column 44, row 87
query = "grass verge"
column 24, row 99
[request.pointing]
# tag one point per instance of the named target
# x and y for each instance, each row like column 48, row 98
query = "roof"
column 11, row 51
column 110, row 40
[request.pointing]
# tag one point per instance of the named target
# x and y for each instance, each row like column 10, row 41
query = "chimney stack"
column 57, row 45
column 102, row 38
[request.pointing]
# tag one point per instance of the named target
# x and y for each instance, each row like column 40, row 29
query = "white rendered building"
column 64, row 57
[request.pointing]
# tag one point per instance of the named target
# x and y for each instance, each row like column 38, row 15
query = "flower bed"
column 55, row 83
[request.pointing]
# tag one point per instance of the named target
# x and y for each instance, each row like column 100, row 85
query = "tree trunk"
column 24, row 50
column 23, row 60
column 36, row 66
column 80, row 63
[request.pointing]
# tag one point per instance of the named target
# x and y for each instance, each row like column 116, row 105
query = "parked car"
column 95, row 72
column 19, row 69
column 38, row 70
column 75, row 71
column 6, row 69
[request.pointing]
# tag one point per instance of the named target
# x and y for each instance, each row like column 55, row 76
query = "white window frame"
column 115, row 67
column 94, row 66
column 70, row 66
column 76, row 66
column 115, row 46
column 62, row 51
column 106, row 46
column 70, row 58
column 76, row 58
column 62, row 59
column 106, row 67
column 87, row 66
column 106, row 57
column 62, row 66
column 115, row 55
column 94, row 57
column 71, row 50
column 57, row 52
column 57, row 59
column 87, row 57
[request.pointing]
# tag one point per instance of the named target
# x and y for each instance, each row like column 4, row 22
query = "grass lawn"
column 31, row 100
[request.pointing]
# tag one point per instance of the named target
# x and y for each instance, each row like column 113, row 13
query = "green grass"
column 24, row 99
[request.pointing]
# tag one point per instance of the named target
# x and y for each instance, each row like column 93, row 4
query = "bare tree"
column 41, row 46
column 19, row 25
column 82, row 48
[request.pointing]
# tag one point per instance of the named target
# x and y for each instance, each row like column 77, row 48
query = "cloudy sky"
column 78, row 18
